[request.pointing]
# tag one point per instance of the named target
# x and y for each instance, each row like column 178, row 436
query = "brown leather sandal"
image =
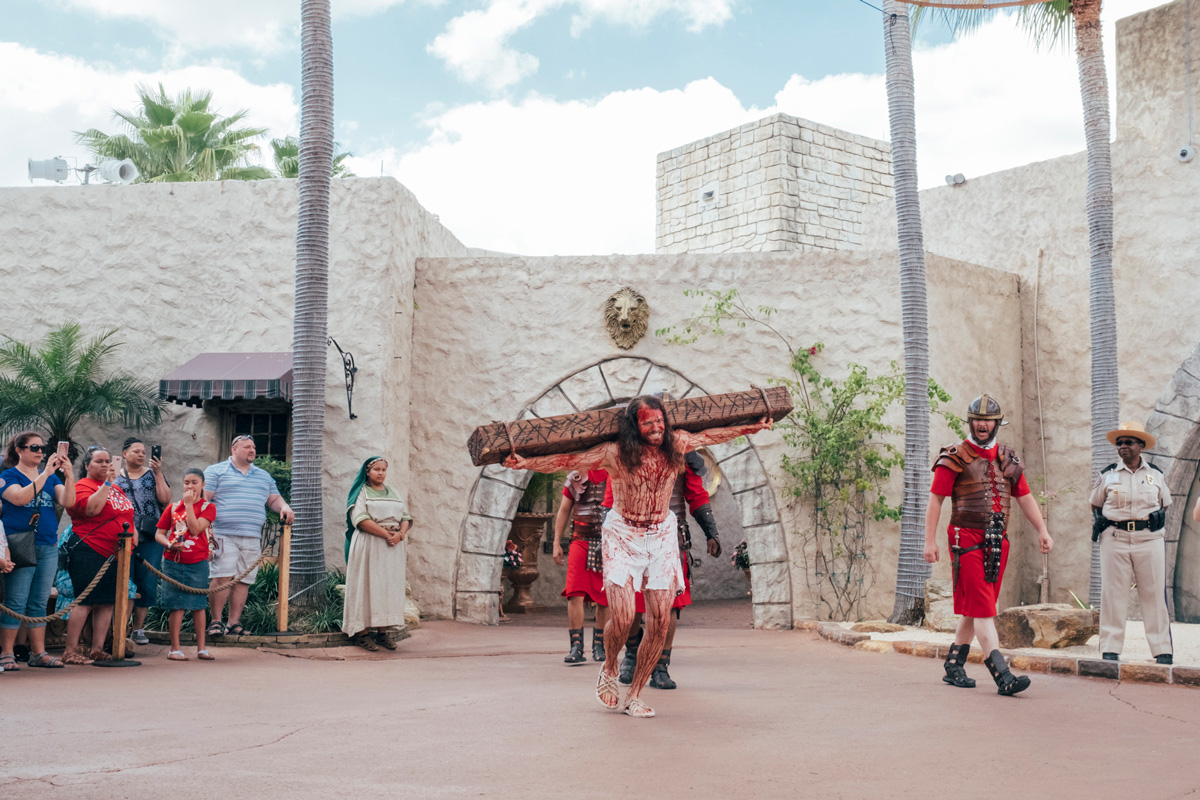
column 365, row 641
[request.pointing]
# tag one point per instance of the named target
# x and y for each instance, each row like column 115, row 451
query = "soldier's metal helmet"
column 985, row 407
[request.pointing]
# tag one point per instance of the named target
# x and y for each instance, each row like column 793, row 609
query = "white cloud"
column 58, row 95
column 475, row 43
column 262, row 26
column 542, row 176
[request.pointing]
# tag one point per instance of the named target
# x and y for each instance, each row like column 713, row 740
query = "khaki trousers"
column 1125, row 557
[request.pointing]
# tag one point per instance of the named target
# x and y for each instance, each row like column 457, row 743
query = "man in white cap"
column 1129, row 500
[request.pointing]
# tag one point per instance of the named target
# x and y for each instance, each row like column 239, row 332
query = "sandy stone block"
column 742, row 470
column 625, row 376
column 723, row 452
column 766, row 543
column 1146, row 673
column 876, row 626
column 773, row 616
column 1170, row 431
column 496, row 499
column 1024, row 663
column 586, row 389
column 770, row 583
column 807, row 624
column 485, row 534
column 1064, row 666
column 1182, row 396
column 481, row 608
column 1186, row 676
column 872, row 646
column 1098, row 668
column 478, row 572
column 757, row 505
column 925, row 649
column 903, row 647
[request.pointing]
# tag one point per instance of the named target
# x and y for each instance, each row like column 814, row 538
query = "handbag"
column 22, row 545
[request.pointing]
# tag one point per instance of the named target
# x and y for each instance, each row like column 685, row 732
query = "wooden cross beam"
column 569, row 433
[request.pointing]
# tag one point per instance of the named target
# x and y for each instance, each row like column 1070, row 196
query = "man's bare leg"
column 237, row 601
column 658, row 612
column 620, row 616
column 575, row 612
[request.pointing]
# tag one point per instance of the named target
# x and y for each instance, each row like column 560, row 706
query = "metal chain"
column 66, row 610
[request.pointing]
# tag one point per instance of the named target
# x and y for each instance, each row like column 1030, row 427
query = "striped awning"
column 229, row 376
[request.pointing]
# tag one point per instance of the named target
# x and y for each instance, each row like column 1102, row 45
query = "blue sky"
column 557, row 103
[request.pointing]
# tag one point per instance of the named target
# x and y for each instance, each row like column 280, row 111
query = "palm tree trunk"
column 1093, row 88
column 912, row 570
column 312, row 290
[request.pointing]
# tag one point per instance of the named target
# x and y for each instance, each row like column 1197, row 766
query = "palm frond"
column 1049, row 25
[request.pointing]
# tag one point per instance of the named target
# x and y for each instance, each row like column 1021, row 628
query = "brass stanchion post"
column 285, row 567
column 121, row 602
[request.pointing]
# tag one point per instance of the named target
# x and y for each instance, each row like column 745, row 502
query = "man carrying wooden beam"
column 640, row 543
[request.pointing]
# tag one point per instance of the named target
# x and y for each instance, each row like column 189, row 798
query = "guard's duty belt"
column 1129, row 525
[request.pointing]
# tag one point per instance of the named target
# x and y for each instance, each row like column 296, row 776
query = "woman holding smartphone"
column 28, row 500
column 143, row 483
column 99, row 514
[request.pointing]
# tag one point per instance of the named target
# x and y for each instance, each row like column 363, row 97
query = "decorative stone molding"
column 497, row 491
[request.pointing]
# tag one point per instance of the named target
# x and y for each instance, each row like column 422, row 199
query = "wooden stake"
column 121, row 601
column 285, row 554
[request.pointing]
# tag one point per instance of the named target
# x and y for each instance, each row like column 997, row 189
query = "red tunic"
column 580, row 580
column 696, row 495
column 974, row 596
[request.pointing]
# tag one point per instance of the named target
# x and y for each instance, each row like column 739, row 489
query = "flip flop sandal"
column 215, row 628
column 235, row 629
column 204, row 655
column 606, row 686
column 638, row 710
column 9, row 664
column 45, row 660
column 176, row 655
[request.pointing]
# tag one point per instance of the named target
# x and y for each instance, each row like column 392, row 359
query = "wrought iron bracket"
column 349, row 369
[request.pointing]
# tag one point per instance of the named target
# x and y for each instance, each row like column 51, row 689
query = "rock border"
column 1046, row 665
column 283, row 641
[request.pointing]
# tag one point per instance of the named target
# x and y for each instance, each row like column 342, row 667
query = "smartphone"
column 63, row 447
column 156, row 452
column 118, row 464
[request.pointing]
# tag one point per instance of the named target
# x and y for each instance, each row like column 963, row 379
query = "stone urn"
column 527, row 529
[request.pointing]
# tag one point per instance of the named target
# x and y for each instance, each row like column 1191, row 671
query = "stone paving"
column 472, row 711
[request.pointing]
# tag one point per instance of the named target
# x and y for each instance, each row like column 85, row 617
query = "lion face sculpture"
column 627, row 317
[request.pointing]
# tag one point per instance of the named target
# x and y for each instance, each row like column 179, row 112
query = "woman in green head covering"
column 377, row 524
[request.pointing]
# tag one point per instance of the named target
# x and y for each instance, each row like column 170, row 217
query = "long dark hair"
column 630, row 441
column 11, row 458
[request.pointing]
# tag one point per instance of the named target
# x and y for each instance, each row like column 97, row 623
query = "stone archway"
column 1175, row 423
column 496, row 492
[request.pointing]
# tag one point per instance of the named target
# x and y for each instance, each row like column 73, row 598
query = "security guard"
column 1129, row 500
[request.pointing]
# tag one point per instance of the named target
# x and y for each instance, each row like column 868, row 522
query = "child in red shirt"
column 184, row 530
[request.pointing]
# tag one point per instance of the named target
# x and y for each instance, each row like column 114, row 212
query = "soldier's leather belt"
column 1131, row 525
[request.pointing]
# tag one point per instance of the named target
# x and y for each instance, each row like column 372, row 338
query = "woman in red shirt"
column 100, row 513
column 183, row 531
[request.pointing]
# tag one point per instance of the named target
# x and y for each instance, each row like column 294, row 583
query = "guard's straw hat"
column 1133, row 429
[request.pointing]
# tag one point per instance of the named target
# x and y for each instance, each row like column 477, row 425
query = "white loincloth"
column 649, row 556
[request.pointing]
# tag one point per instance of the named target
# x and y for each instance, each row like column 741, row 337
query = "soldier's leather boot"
column 955, row 674
column 660, row 678
column 576, row 655
column 597, row 644
column 1007, row 684
column 629, row 662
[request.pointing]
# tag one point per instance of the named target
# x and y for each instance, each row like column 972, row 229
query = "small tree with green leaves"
column 65, row 380
column 840, row 453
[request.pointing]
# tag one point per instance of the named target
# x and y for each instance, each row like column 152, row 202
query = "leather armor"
column 588, row 514
column 979, row 482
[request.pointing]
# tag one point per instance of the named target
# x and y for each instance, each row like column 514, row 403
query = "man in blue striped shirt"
column 242, row 494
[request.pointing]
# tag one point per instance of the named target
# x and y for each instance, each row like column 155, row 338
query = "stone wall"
column 182, row 269
column 492, row 341
column 1031, row 221
column 771, row 185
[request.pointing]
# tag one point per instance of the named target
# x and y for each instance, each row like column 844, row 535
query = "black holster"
column 1099, row 523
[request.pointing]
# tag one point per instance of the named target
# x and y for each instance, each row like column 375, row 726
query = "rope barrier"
column 211, row 591
column 67, row 609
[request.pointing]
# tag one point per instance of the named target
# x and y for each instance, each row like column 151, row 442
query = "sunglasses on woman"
column 36, row 448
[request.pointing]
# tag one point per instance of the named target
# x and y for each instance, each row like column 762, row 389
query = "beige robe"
column 375, row 572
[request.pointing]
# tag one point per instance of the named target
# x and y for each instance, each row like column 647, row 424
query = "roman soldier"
column 688, row 494
column 981, row 477
column 582, row 504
